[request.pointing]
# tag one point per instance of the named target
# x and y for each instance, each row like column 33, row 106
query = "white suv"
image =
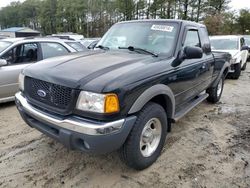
column 235, row 45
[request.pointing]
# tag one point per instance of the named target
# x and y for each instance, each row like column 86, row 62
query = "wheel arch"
column 223, row 72
column 160, row 94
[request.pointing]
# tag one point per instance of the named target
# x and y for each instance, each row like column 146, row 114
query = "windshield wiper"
column 136, row 49
column 102, row 47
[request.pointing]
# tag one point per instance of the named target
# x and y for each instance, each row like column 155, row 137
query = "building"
column 19, row 32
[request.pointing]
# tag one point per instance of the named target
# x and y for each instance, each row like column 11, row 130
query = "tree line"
column 93, row 18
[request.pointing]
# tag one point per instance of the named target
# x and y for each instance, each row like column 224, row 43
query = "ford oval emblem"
column 41, row 93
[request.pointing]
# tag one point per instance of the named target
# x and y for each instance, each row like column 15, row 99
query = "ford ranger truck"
column 124, row 95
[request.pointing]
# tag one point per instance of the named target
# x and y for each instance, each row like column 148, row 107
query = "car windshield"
column 4, row 45
column 224, row 44
column 77, row 46
column 157, row 37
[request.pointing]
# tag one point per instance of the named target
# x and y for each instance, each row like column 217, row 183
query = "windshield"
column 4, row 45
column 77, row 46
column 224, row 44
column 157, row 37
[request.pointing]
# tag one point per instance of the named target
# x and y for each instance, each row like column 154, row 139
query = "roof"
column 36, row 39
column 225, row 37
column 20, row 30
column 186, row 22
column 13, row 29
column 12, row 39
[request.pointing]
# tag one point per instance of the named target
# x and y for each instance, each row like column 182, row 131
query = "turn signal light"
column 111, row 103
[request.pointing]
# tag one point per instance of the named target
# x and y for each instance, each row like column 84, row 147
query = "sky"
column 4, row 3
column 239, row 4
column 235, row 4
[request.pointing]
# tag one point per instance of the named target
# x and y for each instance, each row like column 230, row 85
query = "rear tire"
column 215, row 92
column 146, row 139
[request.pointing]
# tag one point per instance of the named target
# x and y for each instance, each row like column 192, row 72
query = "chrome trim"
column 7, row 99
column 73, row 123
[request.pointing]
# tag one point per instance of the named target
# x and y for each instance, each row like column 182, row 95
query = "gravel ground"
column 209, row 147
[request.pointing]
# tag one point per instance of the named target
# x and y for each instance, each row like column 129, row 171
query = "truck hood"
column 232, row 52
column 76, row 70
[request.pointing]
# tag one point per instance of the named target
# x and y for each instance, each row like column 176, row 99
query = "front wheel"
column 237, row 71
column 244, row 66
column 146, row 140
column 214, row 93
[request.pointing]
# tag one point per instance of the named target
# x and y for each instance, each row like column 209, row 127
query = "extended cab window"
column 52, row 49
column 24, row 53
column 192, row 38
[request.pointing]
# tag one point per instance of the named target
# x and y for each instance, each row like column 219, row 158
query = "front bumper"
column 76, row 132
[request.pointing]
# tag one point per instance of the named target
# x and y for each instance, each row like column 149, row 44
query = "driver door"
column 189, row 74
column 18, row 58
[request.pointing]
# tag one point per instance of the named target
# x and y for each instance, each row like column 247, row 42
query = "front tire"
column 146, row 140
column 237, row 71
column 215, row 92
column 244, row 66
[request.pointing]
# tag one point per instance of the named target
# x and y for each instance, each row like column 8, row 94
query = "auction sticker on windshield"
column 165, row 28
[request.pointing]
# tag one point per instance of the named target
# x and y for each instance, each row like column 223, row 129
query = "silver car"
column 17, row 53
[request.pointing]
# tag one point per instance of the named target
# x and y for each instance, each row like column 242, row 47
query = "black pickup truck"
column 124, row 95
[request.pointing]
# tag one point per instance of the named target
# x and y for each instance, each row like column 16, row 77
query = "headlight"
column 233, row 61
column 100, row 103
column 21, row 81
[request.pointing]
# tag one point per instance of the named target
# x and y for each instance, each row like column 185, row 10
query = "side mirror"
column 193, row 52
column 3, row 62
column 244, row 48
column 188, row 52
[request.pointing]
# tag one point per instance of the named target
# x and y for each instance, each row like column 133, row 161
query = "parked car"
column 16, row 53
column 147, row 75
column 90, row 43
column 236, row 46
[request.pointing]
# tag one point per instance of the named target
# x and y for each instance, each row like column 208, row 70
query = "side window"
column 205, row 42
column 52, row 49
column 192, row 39
column 10, row 56
column 242, row 42
column 23, row 53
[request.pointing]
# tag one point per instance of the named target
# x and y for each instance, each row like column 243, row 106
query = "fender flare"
column 225, row 66
column 150, row 93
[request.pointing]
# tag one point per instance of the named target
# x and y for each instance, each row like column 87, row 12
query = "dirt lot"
column 210, row 147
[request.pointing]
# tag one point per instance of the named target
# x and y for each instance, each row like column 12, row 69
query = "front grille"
column 48, row 94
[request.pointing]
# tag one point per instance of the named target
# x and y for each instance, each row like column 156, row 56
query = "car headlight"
column 233, row 60
column 100, row 103
column 21, row 81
